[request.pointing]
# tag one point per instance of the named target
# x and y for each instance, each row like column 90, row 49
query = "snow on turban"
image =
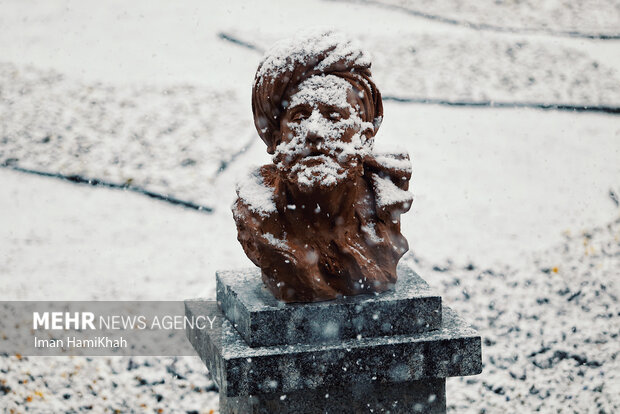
column 288, row 63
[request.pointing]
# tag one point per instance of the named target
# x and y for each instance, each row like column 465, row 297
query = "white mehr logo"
column 63, row 320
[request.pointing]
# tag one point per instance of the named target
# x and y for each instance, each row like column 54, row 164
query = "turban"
column 288, row 63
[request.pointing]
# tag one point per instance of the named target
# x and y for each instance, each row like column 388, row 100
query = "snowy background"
column 515, row 219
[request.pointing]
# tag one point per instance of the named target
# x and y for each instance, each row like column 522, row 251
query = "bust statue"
column 323, row 219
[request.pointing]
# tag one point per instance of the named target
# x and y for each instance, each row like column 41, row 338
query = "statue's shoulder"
column 395, row 164
column 255, row 192
column 389, row 173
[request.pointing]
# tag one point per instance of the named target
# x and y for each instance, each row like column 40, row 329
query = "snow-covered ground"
column 560, row 17
column 510, row 216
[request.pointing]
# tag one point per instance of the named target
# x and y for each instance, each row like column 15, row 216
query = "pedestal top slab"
column 409, row 307
column 238, row 369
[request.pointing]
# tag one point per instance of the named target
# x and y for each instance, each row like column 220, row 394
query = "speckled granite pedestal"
column 386, row 353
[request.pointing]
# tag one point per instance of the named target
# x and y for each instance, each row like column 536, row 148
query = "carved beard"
column 321, row 172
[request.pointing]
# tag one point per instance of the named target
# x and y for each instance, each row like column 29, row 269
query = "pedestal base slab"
column 425, row 396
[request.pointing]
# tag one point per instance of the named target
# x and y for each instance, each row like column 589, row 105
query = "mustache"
column 309, row 152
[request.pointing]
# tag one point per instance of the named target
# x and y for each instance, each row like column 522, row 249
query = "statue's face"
column 323, row 136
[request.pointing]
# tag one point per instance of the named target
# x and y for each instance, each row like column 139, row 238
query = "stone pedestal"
column 387, row 353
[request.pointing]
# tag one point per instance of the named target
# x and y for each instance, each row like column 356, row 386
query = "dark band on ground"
column 102, row 183
column 247, row 45
column 486, row 26
column 501, row 104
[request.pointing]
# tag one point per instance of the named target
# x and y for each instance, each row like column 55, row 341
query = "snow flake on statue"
column 256, row 194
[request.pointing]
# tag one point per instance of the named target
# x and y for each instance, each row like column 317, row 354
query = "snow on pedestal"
column 410, row 307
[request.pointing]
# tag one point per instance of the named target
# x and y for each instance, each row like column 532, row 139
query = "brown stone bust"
column 323, row 220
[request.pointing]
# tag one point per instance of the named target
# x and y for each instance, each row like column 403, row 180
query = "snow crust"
column 327, row 172
column 330, row 131
column 393, row 162
column 256, row 194
column 325, row 89
column 306, row 45
column 387, row 193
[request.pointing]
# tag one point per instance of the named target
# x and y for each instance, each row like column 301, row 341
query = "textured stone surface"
column 238, row 369
column 409, row 307
column 425, row 396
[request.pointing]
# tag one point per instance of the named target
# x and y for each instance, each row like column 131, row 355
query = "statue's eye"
column 335, row 116
column 299, row 116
